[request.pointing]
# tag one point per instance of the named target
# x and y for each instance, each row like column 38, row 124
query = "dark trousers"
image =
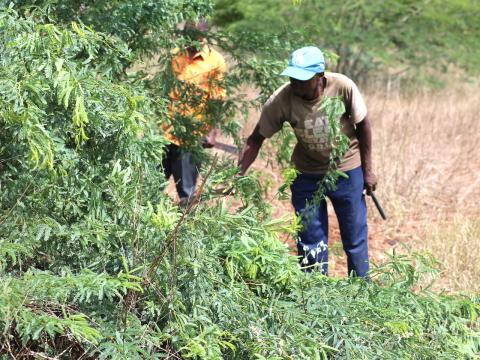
column 181, row 165
column 349, row 204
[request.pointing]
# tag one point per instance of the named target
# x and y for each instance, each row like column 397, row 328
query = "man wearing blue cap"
column 298, row 103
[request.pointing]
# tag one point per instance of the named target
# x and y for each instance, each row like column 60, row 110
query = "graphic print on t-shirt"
column 314, row 134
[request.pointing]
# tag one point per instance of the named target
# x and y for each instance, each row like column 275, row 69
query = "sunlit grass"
column 456, row 245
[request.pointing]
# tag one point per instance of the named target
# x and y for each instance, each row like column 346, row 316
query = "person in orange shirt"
column 198, row 74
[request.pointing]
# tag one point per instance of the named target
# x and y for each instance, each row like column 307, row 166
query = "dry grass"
column 426, row 150
column 456, row 245
column 426, row 158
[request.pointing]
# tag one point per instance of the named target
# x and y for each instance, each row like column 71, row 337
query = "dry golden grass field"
column 426, row 156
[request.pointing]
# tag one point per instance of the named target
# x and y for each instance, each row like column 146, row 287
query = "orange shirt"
column 198, row 81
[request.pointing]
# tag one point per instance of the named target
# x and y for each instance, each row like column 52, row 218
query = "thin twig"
column 131, row 297
column 18, row 200
column 194, row 203
column 173, row 235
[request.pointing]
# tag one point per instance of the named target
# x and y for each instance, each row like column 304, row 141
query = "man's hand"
column 210, row 140
column 225, row 191
column 370, row 180
column 229, row 189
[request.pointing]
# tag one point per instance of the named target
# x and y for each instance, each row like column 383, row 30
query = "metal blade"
column 227, row 148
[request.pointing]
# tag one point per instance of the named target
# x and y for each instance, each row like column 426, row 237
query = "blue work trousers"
column 180, row 163
column 348, row 202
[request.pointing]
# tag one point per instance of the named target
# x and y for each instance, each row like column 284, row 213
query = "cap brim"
column 297, row 73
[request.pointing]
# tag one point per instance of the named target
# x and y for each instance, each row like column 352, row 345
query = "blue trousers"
column 181, row 165
column 349, row 204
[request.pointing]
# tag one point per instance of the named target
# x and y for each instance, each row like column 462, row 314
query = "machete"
column 378, row 206
column 227, row 148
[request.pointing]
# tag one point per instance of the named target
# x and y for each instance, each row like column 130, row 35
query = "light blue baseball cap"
column 305, row 63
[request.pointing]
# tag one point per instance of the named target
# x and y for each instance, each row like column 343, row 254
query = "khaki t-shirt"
column 311, row 124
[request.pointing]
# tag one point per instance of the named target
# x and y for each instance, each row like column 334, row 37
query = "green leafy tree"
column 408, row 38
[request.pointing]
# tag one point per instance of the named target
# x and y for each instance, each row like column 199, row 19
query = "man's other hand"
column 370, row 180
column 208, row 143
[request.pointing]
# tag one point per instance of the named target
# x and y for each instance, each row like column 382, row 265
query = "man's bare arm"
column 364, row 136
column 250, row 150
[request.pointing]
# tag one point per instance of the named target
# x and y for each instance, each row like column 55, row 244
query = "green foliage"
column 72, row 144
column 289, row 175
column 144, row 26
column 151, row 29
column 334, row 108
column 96, row 262
column 405, row 37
